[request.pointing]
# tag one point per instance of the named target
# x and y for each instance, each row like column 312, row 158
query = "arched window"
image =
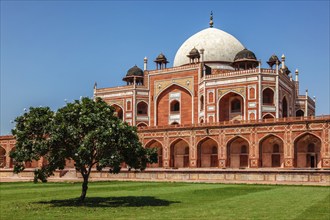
column 128, row 103
column 211, row 97
column 268, row 116
column 202, row 102
column 252, row 93
column 300, row 113
column 243, row 149
column 186, row 151
column 142, row 108
column 268, row 97
column 175, row 123
column 284, row 108
column 140, row 125
column 175, row 106
column 311, row 148
column 235, row 105
column 214, row 150
column 118, row 111
column 276, row 148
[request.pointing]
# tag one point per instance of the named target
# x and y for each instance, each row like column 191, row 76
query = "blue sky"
column 56, row 50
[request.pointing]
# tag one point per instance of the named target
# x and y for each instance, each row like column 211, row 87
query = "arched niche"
column 207, row 153
column 179, row 154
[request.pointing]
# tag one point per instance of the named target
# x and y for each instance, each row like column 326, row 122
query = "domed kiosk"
column 245, row 59
column 218, row 48
column 134, row 75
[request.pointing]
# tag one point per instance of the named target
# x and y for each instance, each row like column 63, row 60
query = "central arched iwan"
column 163, row 105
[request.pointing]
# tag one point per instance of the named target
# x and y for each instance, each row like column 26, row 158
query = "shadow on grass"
column 124, row 201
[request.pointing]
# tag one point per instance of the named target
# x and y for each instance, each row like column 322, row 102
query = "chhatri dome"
column 220, row 48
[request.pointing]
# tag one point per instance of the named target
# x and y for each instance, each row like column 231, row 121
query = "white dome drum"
column 219, row 47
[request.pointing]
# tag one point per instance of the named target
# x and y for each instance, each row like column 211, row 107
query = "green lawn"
column 149, row 200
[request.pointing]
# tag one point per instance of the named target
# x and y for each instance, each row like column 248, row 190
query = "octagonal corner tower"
column 220, row 48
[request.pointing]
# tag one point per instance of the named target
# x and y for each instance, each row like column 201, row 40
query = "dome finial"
column 211, row 19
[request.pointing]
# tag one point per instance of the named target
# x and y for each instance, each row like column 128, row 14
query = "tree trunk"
column 84, row 188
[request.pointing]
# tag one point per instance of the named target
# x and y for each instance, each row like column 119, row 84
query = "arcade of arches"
column 239, row 153
column 235, row 147
column 271, row 145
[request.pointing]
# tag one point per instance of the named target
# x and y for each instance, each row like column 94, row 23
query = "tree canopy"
column 85, row 131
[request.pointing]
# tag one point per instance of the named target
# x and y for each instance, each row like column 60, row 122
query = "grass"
column 150, row 200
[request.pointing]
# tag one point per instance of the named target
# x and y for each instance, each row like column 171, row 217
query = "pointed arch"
column 141, row 124
column 150, row 142
column 231, row 107
column 163, row 104
column 268, row 96
column 300, row 113
column 175, row 106
column 118, row 111
column 142, row 108
column 179, row 153
column 173, row 84
column 284, row 107
column 156, row 144
column 268, row 116
column 270, row 135
column 236, row 137
column 271, row 151
column 307, row 151
column 238, row 152
column 306, row 133
column 207, row 152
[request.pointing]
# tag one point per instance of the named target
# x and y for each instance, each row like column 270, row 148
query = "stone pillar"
column 166, row 156
column 288, row 148
column 325, row 152
column 7, row 159
column 222, row 150
column 253, row 150
column 288, row 162
column 166, row 152
column 288, row 159
column 254, row 163
column 192, row 151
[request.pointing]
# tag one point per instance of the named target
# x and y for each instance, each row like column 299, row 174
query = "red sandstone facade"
column 217, row 111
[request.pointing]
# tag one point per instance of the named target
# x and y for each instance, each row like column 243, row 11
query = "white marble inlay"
column 116, row 94
column 142, row 93
column 269, row 108
column 211, row 108
column 241, row 80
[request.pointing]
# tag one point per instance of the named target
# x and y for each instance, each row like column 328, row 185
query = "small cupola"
column 272, row 61
column 161, row 61
column 134, row 75
column 245, row 59
column 194, row 56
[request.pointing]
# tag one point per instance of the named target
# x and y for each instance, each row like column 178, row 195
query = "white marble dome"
column 219, row 46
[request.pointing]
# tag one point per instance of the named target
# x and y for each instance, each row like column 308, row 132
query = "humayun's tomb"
column 216, row 115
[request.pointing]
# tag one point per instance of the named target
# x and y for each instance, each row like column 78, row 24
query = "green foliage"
column 85, row 131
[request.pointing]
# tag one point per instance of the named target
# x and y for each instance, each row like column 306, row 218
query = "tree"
column 84, row 131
